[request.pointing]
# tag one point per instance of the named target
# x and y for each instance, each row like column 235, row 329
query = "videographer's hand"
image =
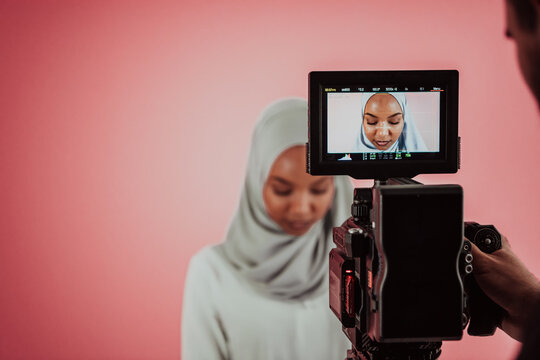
column 506, row 280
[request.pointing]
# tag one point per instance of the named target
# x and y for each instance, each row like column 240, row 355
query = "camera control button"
column 374, row 304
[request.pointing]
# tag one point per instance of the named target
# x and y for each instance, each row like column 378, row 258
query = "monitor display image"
column 375, row 122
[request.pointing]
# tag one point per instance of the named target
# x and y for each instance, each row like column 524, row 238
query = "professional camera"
column 401, row 275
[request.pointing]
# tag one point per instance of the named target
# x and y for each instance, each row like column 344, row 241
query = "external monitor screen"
column 389, row 124
column 395, row 122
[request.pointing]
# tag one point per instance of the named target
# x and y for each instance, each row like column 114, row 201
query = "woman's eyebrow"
column 370, row 114
column 396, row 114
column 320, row 181
column 281, row 180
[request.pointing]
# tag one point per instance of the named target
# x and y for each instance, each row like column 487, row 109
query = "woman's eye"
column 370, row 120
column 319, row 191
column 396, row 120
column 282, row 192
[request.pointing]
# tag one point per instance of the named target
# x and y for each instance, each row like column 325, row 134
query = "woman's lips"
column 382, row 143
column 299, row 225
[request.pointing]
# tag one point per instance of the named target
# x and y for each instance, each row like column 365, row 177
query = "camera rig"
column 401, row 277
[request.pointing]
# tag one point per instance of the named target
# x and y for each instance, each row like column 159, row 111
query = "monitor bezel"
column 447, row 162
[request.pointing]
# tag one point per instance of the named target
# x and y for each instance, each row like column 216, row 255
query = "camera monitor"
column 382, row 124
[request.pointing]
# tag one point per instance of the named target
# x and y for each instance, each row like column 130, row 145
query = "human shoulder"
column 208, row 263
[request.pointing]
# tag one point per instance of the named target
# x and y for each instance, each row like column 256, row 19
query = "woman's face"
column 383, row 120
column 294, row 199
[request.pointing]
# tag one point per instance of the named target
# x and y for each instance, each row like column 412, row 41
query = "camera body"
column 398, row 266
column 401, row 274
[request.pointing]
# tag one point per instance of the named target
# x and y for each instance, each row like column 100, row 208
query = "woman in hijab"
column 387, row 125
column 263, row 292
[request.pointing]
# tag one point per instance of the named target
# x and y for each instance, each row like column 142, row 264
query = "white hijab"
column 410, row 139
column 281, row 265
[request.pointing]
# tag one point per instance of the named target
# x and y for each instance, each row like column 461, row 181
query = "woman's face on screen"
column 383, row 120
column 294, row 199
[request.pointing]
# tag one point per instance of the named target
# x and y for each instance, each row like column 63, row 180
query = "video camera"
column 401, row 275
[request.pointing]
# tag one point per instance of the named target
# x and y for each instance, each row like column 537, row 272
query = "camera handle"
column 485, row 315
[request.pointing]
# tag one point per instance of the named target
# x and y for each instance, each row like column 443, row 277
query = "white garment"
column 226, row 318
column 262, row 293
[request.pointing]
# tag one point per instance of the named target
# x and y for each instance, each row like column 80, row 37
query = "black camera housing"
column 401, row 274
column 400, row 280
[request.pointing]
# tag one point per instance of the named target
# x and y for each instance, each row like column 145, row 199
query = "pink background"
column 124, row 136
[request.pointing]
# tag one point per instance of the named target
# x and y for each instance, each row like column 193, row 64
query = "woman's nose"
column 383, row 130
column 301, row 204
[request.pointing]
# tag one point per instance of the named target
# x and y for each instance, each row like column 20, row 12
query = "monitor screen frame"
column 320, row 162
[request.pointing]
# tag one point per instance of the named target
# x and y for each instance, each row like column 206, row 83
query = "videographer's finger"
column 505, row 243
column 480, row 259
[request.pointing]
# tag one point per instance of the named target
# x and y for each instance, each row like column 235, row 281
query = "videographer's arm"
column 506, row 280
